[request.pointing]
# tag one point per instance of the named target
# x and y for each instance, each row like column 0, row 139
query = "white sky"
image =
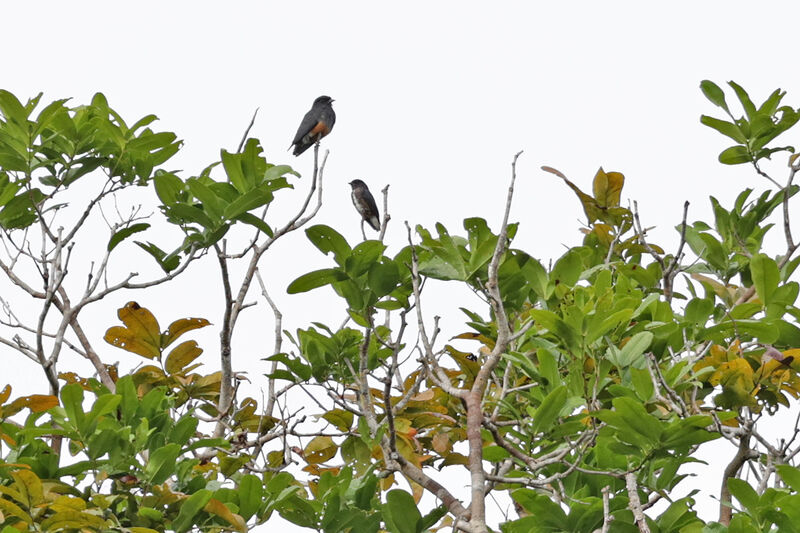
column 433, row 98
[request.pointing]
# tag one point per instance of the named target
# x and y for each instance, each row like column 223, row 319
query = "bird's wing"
column 309, row 121
column 373, row 208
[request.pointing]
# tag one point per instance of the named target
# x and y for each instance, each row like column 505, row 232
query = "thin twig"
column 247, row 131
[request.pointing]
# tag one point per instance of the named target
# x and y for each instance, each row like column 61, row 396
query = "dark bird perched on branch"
column 317, row 123
column 365, row 204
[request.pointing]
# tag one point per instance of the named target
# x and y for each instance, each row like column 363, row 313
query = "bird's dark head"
column 323, row 100
column 357, row 183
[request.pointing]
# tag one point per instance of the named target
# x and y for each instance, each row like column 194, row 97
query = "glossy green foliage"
column 205, row 209
column 365, row 277
column 755, row 129
column 44, row 150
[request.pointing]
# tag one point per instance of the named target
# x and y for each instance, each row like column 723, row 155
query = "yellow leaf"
column 590, row 206
column 5, row 394
column 416, row 490
column 214, row 506
column 64, row 520
column 29, row 486
column 736, row 379
column 68, row 503
column 725, row 292
column 141, row 334
column 476, row 337
column 607, row 188
column 37, row 403
column 455, row 458
column 319, row 450
column 8, row 508
column 423, row 396
column 441, row 443
column 181, row 326
column 181, row 356
column 275, row 458
column 72, row 377
column 387, row 482
column 341, row 419
column 738, row 370
column 604, row 234
column 402, row 425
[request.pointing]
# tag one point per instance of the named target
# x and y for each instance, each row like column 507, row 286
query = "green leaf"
column 168, row 187
column 568, row 268
column 249, row 218
column 743, row 492
column 12, row 109
column 636, row 418
column 557, row 326
column 634, row 348
column 744, row 98
column 714, row 94
column 735, row 155
column 250, row 492
column 20, row 211
column 277, row 171
column 317, row 278
column 162, row 463
column 247, row 202
column 343, row 420
column 213, row 205
column 790, row 475
column 327, row 239
column 642, row 383
column 72, row 401
column 765, row 275
column 124, row 233
column 443, row 258
column 726, row 128
column 548, row 411
column 383, row 277
column 698, row 310
column 401, row 513
column 297, row 367
column 167, row 263
column 189, row 509
column 362, row 257
column 190, row 214
column 430, row 519
column 233, row 168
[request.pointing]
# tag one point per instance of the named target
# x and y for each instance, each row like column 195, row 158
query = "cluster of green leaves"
column 205, row 209
column 753, row 131
column 43, row 155
column 363, row 276
column 135, row 465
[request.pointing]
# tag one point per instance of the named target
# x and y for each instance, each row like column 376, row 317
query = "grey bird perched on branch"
column 317, row 123
column 365, row 205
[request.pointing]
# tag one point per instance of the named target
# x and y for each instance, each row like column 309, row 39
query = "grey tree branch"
column 474, row 398
column 634, row 503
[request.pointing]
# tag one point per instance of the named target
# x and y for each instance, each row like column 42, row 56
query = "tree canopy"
column 580, row 390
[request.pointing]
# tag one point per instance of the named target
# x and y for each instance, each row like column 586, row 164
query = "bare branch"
column 386, row 216
column 743, row 454
column 278, row 332
column 247, row 131
column 634, row 503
